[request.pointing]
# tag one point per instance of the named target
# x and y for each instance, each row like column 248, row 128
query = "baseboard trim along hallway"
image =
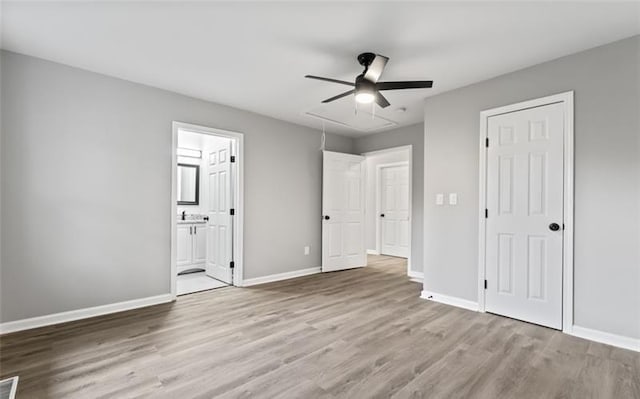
column 602, row 337
column 606, row 338
column 78, row 314
column 450, row 300
column 416, row 276
column 280, row 276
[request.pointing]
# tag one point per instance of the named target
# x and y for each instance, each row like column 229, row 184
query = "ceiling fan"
column 366, row 87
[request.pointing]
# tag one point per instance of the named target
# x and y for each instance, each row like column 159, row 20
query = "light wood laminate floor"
column 360, row 333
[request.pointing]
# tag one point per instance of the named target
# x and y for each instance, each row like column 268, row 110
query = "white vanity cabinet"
column 185, row 246
column 199, row 239
column 191, row 245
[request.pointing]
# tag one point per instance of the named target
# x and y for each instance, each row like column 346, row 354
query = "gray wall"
column 606, row 82
column 86, row 180
column 409, row 135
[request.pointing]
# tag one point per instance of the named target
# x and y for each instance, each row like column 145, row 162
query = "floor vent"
column 8, row 388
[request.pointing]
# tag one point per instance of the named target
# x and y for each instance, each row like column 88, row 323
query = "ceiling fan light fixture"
column 365, row 91
column 365, row 97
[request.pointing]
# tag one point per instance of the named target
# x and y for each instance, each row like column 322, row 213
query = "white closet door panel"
column 524, row 197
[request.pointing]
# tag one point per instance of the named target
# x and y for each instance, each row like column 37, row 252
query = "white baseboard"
column 280, row 276
column 606, row 338
column 372, row 252
column 577, row 331
column 450, row 300
column 418, row 277
column 72, row 315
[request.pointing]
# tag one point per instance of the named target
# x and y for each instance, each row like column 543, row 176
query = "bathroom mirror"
column 188, row 184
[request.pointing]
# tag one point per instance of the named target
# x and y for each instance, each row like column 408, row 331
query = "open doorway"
column 388, row 193
column 366, row 208
column 206, row 235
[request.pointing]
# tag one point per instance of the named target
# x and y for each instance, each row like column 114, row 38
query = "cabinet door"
column 184, row 245
column 199, row 243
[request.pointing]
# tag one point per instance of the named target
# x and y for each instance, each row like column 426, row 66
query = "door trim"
column 566, row 99
column 379, row 204
column 238, row 225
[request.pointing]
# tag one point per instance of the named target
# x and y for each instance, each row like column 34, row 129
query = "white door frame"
column 379, row 203
column 238, row 139
column 377, row 206
column 567, row 262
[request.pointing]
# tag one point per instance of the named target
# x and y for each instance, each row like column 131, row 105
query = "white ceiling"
column 254, row 55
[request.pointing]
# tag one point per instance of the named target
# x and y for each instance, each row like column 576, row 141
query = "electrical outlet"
column 439, row 199
column 453, row 199
column 307, row 250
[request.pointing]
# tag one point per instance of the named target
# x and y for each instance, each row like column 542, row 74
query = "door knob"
column 326, row 217
column 382, row 215
column 554, row 227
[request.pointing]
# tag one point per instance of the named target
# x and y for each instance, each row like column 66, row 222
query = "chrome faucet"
column 184, row 215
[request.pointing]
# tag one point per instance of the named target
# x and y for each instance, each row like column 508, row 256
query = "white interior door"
column 524, row 235
column 219, row 225
column 343, row 211
column 394, row 210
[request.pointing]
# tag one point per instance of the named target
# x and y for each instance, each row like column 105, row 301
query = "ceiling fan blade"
column 415, row 84
column 381, row 101
column 342, row 82
column 375, row 69
column 346, row 93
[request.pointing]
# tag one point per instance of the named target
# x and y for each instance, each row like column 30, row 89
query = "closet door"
column 524, row 245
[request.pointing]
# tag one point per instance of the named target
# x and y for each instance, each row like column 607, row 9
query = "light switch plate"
column 439, row 199
column 307, row 250
column 453, row 199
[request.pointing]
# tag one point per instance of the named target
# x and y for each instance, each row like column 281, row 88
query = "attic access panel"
column 345, row 115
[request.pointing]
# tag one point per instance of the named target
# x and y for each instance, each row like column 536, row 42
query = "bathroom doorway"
column 206, row 227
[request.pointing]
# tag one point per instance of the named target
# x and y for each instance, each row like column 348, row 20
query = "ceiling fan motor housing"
column 364, row 85
column 365, row 59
